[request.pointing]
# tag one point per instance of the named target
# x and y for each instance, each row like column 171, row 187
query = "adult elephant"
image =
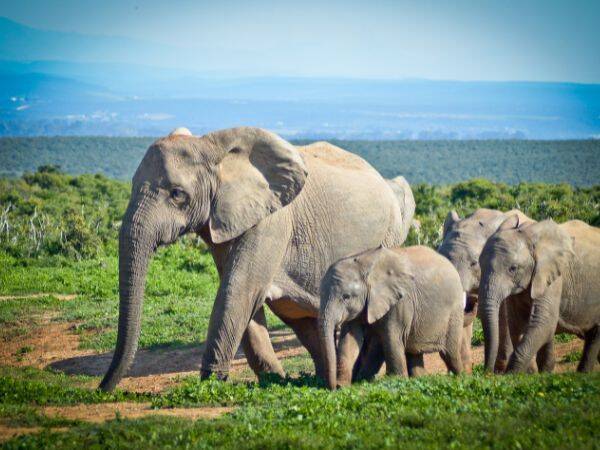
column 463, row 241
column 274, row 215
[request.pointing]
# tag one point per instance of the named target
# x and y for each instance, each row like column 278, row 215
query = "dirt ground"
column 40, row 295
column 55, row 345
column 7, row 432
column 108, row 411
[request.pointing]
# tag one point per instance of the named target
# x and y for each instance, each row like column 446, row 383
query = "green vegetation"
column 58, row 236
column 545, row 411
column 32, row 386
column 434, row 162
column 572, row 357
column 560, row 202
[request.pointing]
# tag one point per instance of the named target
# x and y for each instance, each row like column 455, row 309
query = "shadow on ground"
column 168, row 359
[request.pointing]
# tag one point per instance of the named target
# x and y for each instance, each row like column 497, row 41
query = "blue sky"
column 460, row 40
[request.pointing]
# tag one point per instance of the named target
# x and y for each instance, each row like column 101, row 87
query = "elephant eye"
column 178, row 195
column 345, row 296
column 512, row 269
column 473, row 263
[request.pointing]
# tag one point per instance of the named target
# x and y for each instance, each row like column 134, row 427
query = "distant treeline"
column 48, row 213
column 433, row 162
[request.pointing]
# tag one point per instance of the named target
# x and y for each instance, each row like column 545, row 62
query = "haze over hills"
column 57, row 83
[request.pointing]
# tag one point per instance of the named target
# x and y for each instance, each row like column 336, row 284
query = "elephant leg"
column 465, row 348
column 539, row 331
column 453, row 361
column 371, row 359
column 393, row 352
column 452, row 353
column 246, row 276
column 516, row 326
column 258, row 348
column 307, row 332
column 505, row 347
column 591, row 350
column 348, row 349
column 545, row 357
column 416, row 364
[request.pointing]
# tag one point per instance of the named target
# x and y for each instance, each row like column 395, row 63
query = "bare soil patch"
column 38, row 295
column 109, row 411
column 127, row 410
column 434, row 363
column 8, row 432
column 56, row 345
column 44, row 344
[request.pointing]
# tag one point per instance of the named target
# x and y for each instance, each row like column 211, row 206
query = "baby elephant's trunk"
column 327, row 324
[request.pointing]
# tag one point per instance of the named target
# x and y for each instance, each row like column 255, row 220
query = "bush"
column 51, row 213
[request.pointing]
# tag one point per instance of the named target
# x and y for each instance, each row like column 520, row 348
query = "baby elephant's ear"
column 259, row 174
column 451, row 219
column 385, row 286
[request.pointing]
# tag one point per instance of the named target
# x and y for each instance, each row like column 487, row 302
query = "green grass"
column 544, row 411
column 574, row 356
column 39, row 387
column 182, row 284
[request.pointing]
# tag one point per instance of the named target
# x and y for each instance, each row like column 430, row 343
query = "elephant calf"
column 463, row 242
column 411, row 300
column 548, row 274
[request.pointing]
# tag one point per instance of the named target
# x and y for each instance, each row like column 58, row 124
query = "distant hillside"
column 22, row 43
column 52, row 83
column 435, row 162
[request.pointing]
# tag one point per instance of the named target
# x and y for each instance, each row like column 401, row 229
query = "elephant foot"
column 344, row 376
column 206, row 374
column 516, row 366
column 500, row 366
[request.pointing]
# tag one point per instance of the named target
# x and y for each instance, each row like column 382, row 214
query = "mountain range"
column 58, row 83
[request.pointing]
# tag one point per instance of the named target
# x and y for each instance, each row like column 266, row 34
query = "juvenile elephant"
column 463, row 241
column 411, row 301
column 274, row 215
column 548, row 274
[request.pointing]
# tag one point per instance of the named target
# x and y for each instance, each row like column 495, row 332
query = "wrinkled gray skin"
column 463, row 241
column 275, row 216
column 409, row 299
column 406, row 200
column 548, row 273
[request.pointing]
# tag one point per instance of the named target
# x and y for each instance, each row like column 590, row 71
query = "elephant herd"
column 314, row 232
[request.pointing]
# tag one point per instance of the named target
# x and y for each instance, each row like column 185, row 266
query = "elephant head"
column 517, row 258
column 362, row 286
column 463, row 241
column 219, row 185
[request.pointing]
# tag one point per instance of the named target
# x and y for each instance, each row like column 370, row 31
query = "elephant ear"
column 552, row 251
column 451, row 219
column 511, row 222
column 259, row 174
column 385, row 285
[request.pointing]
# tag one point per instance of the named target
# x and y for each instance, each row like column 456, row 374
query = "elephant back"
column 324, row 153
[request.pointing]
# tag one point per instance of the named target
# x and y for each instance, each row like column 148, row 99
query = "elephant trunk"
column 489, row 316
column 137, row 242
column 491, row 296
column 328, row 320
